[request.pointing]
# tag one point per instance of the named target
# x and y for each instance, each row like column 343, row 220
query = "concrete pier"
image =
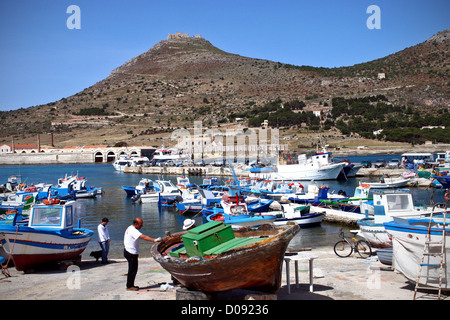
column 335, row 278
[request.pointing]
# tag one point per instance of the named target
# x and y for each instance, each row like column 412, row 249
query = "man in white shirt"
column 131, row 251
column 103, row 239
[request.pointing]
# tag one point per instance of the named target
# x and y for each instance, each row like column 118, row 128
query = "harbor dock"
column 224, row 171
column 334, row 278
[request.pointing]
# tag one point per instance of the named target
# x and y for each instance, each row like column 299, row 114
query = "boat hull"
column 306, row 220
column 408, row 241
column 301, row 172
column 189, row 208
column 29, row 248
column 374, row 233
column 130, row 191
column 256, row 267
column 389, row 184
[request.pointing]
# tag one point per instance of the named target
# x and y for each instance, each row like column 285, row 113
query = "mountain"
column 183, row 79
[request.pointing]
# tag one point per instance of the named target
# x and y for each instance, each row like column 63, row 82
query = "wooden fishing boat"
column 215, row 258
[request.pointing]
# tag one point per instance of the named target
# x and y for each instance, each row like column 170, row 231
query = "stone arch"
column 98, row 156
column 111, row 156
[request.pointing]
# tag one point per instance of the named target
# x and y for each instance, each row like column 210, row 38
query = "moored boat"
column 246, row 259
column 48, row 235
column 317, row 167
column 388, row 204
column 409, row 237
column 126, row 161
column 389, row 183
column 299, row 214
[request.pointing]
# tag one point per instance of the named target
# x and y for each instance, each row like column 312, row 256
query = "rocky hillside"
column 181, row 80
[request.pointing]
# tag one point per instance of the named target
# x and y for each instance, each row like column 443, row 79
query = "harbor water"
column 121, row 210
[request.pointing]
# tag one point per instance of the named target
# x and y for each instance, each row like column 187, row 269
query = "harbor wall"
column 47, row 158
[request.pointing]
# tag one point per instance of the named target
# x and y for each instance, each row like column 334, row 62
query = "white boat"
column 389, row 182
column 170, row 154
column 299, row 214
column 48, row 235
column 167, row 193
column 317, row 167
column 408, row 238
column 274, row 190
column 387, row 205
column 126, row 161
column 314, row 195
column 83, row 191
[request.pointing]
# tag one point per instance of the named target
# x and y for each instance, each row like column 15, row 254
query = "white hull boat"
column 408, row 237
column 47, row 236
column 387, row 205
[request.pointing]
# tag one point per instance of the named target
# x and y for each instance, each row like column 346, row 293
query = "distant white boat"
column 389, row 183
column 126, row 161
column 317, row 167
column 170, row 154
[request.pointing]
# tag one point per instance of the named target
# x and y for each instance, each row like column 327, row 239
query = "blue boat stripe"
column 54, row 246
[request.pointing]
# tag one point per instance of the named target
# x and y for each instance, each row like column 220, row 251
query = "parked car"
column 199, row 163
column 218, row 163
column 366, row 164
column 170, row 163
column 160, row 163
column 186, row 163
column 394, row 163
column 380, row 163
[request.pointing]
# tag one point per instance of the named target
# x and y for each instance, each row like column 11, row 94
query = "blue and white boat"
column 315, row 194
column 299, row 214
column 81, row 190
column 409, row 236
column 245, row 220
column 165, row 194
column 129, row 190
column 235, row 211
column 145, row 185
column 387, row 205
column 47, row 235
column 443, row 178
column 17, row 202
column 276, row 190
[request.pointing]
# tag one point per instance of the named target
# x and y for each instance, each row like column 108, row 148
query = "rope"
column 5, row 267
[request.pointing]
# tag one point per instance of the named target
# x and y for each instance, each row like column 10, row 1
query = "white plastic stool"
column 296, row 258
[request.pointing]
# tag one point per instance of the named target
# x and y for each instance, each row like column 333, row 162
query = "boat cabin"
column 52, row 216
column 392, row 203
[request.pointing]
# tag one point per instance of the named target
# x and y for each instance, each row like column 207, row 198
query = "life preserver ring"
column 51, row 201
column 447, row 195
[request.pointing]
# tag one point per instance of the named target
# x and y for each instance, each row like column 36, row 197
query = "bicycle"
column 344, row 248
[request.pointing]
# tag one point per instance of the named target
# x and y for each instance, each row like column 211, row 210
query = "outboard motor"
column 136, row 197
column 342, row 193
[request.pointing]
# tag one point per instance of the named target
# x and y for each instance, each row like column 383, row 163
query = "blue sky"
column 42, row 61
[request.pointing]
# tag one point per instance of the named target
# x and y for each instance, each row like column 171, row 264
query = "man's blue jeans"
column 105, row 250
